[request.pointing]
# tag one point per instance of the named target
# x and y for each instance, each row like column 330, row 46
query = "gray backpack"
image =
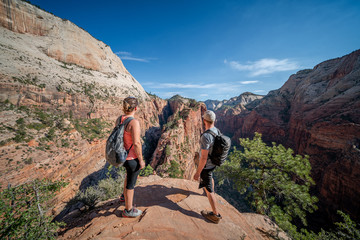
column 115, row 151
column 220, row 149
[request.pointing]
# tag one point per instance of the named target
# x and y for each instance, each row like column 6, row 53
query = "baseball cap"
column 209, row 116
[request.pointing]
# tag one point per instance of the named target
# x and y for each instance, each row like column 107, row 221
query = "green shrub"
column 91, row 128
column 36, row 126
column 51, row 134
column 175, row 170
column 20, row 121
column 345, row 230
column 23, row 211
column 28, row 160
column 90, row 196
column 147, row 171
column 168, row 150
column 65, row 143
column 110, row 187
column 276, row 182
column 20, row 135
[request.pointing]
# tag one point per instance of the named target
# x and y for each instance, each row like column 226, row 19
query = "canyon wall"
column 61, row 91
column 316, row 113
column 180, row 138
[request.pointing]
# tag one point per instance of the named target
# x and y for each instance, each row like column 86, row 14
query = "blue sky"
column 216, row 49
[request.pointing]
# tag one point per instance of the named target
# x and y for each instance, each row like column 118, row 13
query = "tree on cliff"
column 23, row 211
column 276, row 182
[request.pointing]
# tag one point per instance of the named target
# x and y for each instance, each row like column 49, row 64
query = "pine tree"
column 275, row 181
column 23, row 210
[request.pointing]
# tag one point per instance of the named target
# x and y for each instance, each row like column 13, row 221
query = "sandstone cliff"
column 44, row 50
column 61, row 92
column 171, row 210
column 316, row 113
column 243, row 99
column 179, row 141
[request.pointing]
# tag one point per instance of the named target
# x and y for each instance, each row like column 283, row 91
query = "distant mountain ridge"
column 316, row 112
column 243, row 99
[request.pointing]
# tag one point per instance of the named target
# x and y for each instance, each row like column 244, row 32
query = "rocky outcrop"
column 52, row 67
column 38, row 48
column 171, row 210
column 180, row 138
column 316, row 113
column 62, row 39
column 243, row 99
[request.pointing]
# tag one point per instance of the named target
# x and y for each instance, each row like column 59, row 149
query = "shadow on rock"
column 145, row 197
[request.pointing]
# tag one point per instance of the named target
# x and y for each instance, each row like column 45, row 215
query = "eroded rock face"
column 180, row 137
column 38, row 48
column 52, row 66
column 171, row 210
column 316, row 113
column 69, row 43
column 243, row 99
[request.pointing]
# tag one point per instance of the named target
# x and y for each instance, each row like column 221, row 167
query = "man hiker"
column 134, row 160
column 206, row 167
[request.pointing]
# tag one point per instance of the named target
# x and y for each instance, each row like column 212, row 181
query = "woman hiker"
column 134, row 161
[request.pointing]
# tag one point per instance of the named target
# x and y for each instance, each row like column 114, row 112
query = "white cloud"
column 133, row 59
column 204, row 95
column 128, row 56
column 259, row 91
column 182, row 85
column 123, row 53
column 264, row 66
column 249, row 82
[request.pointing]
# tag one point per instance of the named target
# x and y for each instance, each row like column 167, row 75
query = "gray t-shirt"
column 206, row 143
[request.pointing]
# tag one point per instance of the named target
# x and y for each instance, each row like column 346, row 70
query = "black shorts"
column 132, row 171
column 206, row 179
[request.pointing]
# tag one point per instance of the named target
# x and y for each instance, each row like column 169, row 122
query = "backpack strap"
column 126, row 122
column 212, row 133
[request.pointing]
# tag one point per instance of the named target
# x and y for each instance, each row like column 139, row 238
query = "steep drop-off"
column 61, row 92
column 171, row 210
column 316, row 113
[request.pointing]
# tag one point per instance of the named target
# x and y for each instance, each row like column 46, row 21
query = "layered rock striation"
column 180, row 138
column 241, row 100
column 316, row 113
column 41, row 49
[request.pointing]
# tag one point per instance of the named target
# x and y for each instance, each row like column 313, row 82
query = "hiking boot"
column 134, row 212
column 211, row 216
column 122, row 198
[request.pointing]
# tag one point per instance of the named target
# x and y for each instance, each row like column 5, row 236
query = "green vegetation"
column 23, row 210
column 172, row 124
column 49, row 125
column 276, row 182
column 175, row 170
column 92, row 128
column 345, row 230
column 28, row 80
column 110, row 187
column 168, row 150
column 147, row 171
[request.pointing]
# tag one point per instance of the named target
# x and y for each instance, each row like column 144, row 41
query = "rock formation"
column 56, row 80
column 171, row 210
column 243, row 99
column 316, row 113
column 180, row 137
column 61, row 92
column 41, row 49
